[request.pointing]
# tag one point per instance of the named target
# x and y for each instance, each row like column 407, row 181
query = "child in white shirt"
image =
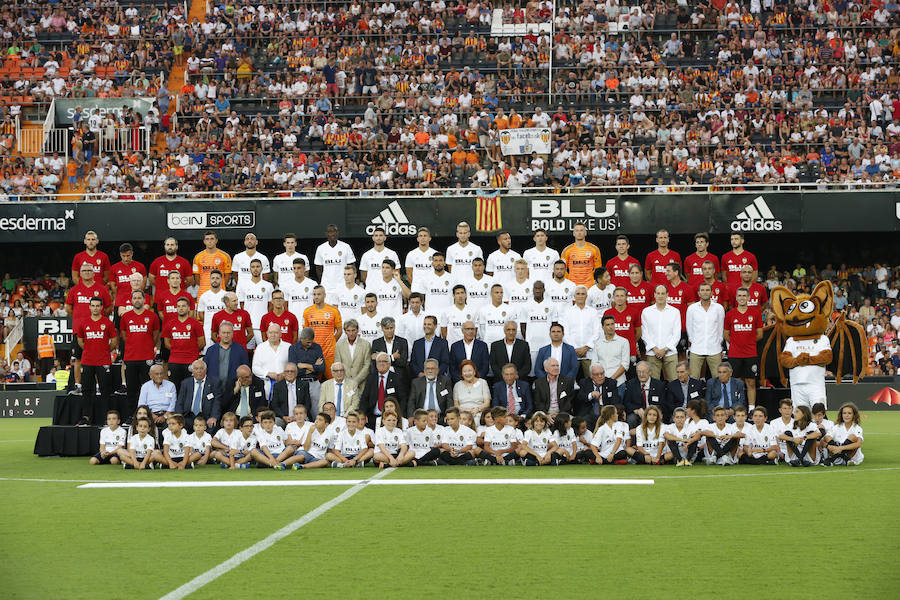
column 112, row 439
column 844, row 442
column 140, row 447
column 200, row 443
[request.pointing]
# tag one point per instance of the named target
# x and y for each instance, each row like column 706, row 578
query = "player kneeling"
column 681, row 440
column 760, row 445
column 199, row 443
column 650, row 447
column 140, row 447
column 499, row 445
column 175, row 445
column 351, row 448
column 422, row 440
column 539, row 446
column 391, row 449
column 457, row 440
column 844, row 442
column 801, row 438
column 112, row 439
column 272, row 450
column 722, row 440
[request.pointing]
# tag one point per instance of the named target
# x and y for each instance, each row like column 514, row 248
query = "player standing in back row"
column 209, row 259
column 581, row 258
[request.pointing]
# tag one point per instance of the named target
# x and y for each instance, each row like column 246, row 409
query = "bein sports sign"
column 231, row 219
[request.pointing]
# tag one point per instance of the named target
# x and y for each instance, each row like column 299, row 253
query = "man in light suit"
column 394, row 346
column 564, row 353
column 725, row 391
column 682, row 390
column 288, row 393
column 201, row 392
column 469, row 348
column 432, row 390
column 521, row 392
column 339, row 392
column 430, row 346
column 511, row 350
column 355, row 353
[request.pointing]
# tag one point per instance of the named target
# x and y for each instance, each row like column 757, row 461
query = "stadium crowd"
column 540, row 334
column 358, row 95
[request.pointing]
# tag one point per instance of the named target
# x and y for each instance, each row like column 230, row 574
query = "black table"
column 67, row 408
column 57, row 440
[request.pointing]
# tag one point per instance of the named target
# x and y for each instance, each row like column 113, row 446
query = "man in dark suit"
column 569, row 366
column 379, row 385
column 469, row 348
column 596, row 391
column 288, row 393
column 224, row 357
column 430, row 391
column 725, row 391
column 511, row 350
column 200, row 396
column 396, row 347
column 554, row 392
column 512, row 392
column 246, row 394
column 641, row 392
column 430, row 346
column 682, row 390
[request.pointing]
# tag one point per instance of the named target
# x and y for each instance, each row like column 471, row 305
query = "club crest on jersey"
column 103, row 327
column 470, row 253
column 503, row 314
column 395, row 438
column 427, row 438
column 505, row 436
column 485, row 286
column 306, row 289
column 468, row 317
column 628, row 318
column 546, row 310
column 340, row 252
column 460, row 438
column 446, row 283
column 189, row 326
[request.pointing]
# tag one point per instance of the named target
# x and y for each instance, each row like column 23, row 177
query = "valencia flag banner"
column 487, row 210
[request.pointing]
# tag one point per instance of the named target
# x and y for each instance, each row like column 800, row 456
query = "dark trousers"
column 493, row 460
column 721, row 450
column 46, row 364
column 691, row 453
column 178, row 372
column 460, row 459
column 137, row 373
column 432, row 454
column 620, row 455
column 189, row 423
column 753, row 460
column 801, row 452
column 92, row 378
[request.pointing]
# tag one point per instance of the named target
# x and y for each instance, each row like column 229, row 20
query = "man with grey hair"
column 596, row 391
column 725, row 391
column 641, row 392
column 355, row 353
column 554, row 393
column 270, row 357
column 199, row 396
column 288, row 393
column 307, row 355
column 339, row 392
column 430, row 391
column 159, row 394
column 380, row 385
column 395, row 346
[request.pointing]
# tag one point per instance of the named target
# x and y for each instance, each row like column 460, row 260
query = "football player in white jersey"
column 374, row 257
column 351, row 447
column 722, row 440
column 559, row 290
column 759, row 446
column 457, row 441
column 199, row 442
column 539, row 446
column 650, row 445
column 283, row 264
column 494, row 316
column 844, row 442
column 600, row 296
column 438, row 287
column 696, row 424
column 140, row 447
column 540, row 258
column 370, row 320
column 210, row 302
column 297, row 288
column 389, row 288
column 255, row 294
column 349, row 297
column 452, row 319
column 331, row 258
column 318, row 442
column 801, row 438
column 478, row 285
column 783, row 423
column 418, row 260
column 271, row 451
column 500, row 264
column 422, row 441
column 240, row 264
column 608, row 445
column 499, row 440
column 535, row 318
column 461, row 254
column 391, row 448
column 517, row 291
column 112, row 439
column 174, row 445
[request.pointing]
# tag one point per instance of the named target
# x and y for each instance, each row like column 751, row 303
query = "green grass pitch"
column 703, row 532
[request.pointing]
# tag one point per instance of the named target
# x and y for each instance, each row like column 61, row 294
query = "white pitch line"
column 11, row 441
column 321, row 482
column 243, row 556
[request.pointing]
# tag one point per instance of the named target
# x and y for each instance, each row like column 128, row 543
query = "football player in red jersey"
column 693, row 264
column 98, row 259
column 640, row 293
column 656, row 262
column 737, row 258
column 78, row 308
column 743, row 328
column 619, row 265
column 140, row 329
column 97, row 338
column 170, row 261
column 281, row 316
column 184, row 338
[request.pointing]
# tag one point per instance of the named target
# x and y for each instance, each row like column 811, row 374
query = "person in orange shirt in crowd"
column 501, row 121
column 581, row 257
column 209, row 259
column 325, row 321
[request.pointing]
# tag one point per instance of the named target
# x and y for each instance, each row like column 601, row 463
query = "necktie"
column 197, row 406
column 244, row 408
column 511, row 400
column 724, row 395
column 340, row 391
column 599, row 401
column 431, row 401
column 380, row 393
column 644, row 391
column 292, row 396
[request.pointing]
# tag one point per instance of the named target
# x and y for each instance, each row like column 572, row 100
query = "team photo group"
column 468, row 356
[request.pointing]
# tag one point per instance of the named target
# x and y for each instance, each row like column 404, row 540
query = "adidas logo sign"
column 756, row 217
column 393, row 220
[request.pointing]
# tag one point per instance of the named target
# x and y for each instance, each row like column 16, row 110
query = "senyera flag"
column 487, row 212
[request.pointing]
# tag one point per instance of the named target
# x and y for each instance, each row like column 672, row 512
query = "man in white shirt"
column 418, row 261
column 461, row 254
column 297, row 287
column 410, row 325
column 240, row 264
column 501, row 262
column 478, row 285
column 661, row 332
column 540, row 258
column 370, row 320
column 270, row 358
column 350, row 296
column 331, row 258
column 560, row 290
column 705, row 323
column 255, row 294
column 374, row 257
column 210, row 302
column 611, row 351
column 580, row 321
column 389, row 289
column 283, row 264
column 494, row 316
column 438, row 287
